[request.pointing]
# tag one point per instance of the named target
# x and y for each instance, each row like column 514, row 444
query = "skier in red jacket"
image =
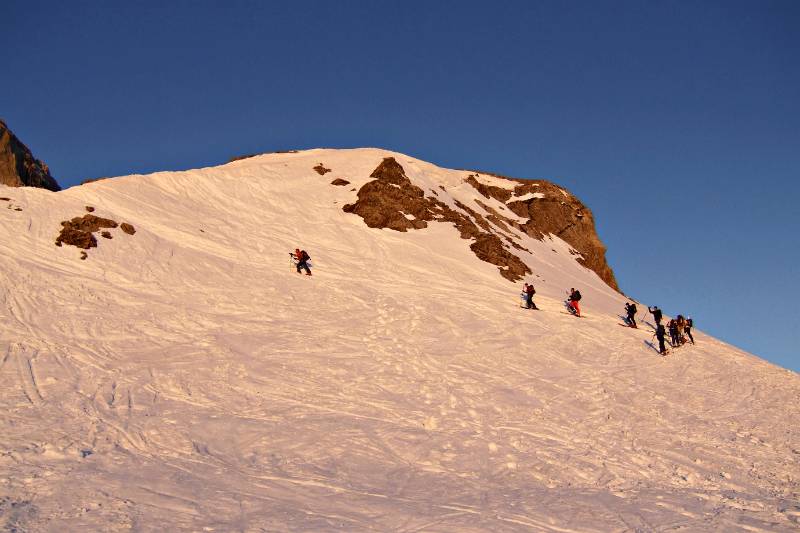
column 302, row 258
column 574, row 298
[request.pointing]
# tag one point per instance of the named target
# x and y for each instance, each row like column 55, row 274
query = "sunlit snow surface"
column 186, row 378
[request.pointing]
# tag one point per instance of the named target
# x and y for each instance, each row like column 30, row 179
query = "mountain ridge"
column 187, row 377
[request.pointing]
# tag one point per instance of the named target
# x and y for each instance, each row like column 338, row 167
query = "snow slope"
column 185, row 378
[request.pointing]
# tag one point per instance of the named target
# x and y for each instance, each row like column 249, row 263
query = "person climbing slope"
column 572, row 301
column 672, row 325
column 688, row 328
column 302, row 258
column 656, row 313
column 529, row 292
column 681, row 322
column 660, row 334
column 630, row 309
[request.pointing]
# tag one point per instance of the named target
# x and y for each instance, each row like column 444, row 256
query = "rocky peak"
column 550, row 209
column 18, row 167
column 538, row 209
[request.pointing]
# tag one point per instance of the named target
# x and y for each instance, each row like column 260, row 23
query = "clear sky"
column 677, row 123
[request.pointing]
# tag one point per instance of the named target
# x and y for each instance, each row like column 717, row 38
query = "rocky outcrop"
column 549, row 209
column 392, row 201
column 321, row 170
column 18, row 167
column 80, row 231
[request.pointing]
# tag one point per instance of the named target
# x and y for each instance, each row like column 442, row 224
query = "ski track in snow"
column 193, row 379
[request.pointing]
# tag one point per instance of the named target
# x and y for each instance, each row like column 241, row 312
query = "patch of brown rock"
column 79, row 231
column 392, row 201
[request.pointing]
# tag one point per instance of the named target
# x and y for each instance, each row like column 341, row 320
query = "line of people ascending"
column 679, row 328
column 574, row 296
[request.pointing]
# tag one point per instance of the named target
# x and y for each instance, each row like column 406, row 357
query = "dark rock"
column 84, row 255
column 489, row 191
column 129, row 229
column 90, row 208
column 79, row 231
column 18, row 167
column 386, row 201
column 5, row 199
column 75, row 237
column 91, row 223
column 106, row 235
column 321, row 170
column 240, row 157
column 562, row 214
column 248, row 156
column 392, row 201
column 92, row 180
column 340, row 181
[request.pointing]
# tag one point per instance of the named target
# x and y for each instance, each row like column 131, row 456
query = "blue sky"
column 677, row 123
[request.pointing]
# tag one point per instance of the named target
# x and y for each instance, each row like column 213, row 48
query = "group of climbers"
column 574, row 296
column 679, row 328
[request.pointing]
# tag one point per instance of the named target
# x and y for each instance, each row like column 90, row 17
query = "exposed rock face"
column 554, row 211
column 80, row 231
column 392, row 201
column 18, row 167
column 321, row 170
column 340, row 182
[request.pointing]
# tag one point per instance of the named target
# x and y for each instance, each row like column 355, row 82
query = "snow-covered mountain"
column 183, row 377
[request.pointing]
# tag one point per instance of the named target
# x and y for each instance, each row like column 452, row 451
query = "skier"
column 688, row 328
column 659, row 334
column 302, row 258
column 529, row 292
column 630, row 309
column 656, row 313
column 673, row 332
column 574, row 298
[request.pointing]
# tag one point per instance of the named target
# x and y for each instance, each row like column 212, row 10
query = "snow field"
column 192, row 378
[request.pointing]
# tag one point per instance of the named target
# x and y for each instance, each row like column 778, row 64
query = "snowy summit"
column 165, row 367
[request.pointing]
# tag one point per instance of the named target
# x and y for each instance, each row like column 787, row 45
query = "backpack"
column 632, row 309
column 304, row 256
column 576, row 296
